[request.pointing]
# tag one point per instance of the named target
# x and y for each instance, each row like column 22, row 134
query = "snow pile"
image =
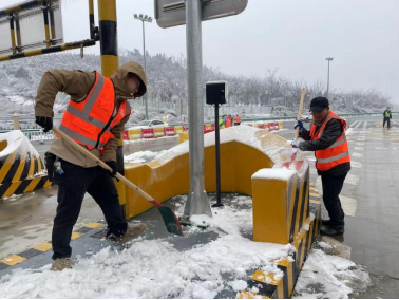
column 280, row 174
column 241, row 134
column 330, row 277
column 141, row 157
column 16, row 141
column 155, row 269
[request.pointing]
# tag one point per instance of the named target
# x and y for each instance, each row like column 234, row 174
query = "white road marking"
column 356, row 154
column 359, row 144
column 356, row 164
column 359, row 148
column 352, row 179
column 349, row 205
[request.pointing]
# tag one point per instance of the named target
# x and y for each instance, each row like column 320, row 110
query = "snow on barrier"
column 21, row 168
column 253, row 162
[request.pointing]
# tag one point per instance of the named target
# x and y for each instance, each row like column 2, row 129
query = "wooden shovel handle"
column 300, row 111
column 103, row 165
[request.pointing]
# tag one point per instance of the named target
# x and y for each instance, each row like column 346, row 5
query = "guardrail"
column 251, row 120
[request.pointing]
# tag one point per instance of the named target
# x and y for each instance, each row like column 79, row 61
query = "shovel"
column 300, row 111
column 169, row 217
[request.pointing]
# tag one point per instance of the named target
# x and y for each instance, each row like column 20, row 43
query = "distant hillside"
column 20, row 78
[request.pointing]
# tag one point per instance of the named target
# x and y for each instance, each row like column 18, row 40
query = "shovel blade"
column 171, row 221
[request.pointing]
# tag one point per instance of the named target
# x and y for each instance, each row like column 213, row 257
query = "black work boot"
column 332, row 230
column 326, row 222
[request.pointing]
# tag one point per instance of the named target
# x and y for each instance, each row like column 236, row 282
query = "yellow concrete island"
column 21, row 168
column 253, row 162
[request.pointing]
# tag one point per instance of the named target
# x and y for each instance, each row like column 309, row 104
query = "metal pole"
column 328, row 76
column 109, row 63
column 197, row 202
column 217, row 159
column 145, row 70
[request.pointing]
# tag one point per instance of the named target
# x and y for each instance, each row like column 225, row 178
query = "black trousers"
column 332, row 186
column 72, row 185
column 388, row 121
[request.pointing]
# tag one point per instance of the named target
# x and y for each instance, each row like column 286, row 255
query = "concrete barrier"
column 147, row 133
column 134, row 134
column 21, row 167
column 170, row 131
column 159, row 132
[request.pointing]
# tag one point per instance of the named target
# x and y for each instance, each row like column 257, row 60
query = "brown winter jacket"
column 78, row 85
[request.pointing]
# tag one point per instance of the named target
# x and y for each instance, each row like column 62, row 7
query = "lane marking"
column 349, row 205
column 356, row 154
column 355, row 164
column 352, row 179
column 359, row 148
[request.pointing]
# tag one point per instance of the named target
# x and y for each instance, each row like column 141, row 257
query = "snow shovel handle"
column 300, row 111
column 103, row 165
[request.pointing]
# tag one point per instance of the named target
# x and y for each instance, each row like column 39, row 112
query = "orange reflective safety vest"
column 228, row 122
column 337, row 153
column 237, row 119
column 90, row 120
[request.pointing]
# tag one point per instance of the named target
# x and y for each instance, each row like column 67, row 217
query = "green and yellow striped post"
column 109, row 63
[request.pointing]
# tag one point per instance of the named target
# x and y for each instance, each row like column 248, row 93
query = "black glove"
column 112, row 165
column 45, row 122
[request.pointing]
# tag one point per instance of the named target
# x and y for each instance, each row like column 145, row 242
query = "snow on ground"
column 329, row 277
column 141, row 157
column 155, row 269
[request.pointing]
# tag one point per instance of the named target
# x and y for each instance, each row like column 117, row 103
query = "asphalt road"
column 370, row 199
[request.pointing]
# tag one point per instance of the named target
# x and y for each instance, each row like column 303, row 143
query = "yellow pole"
column 109, row 63
column 14, row 45
column 46, row 25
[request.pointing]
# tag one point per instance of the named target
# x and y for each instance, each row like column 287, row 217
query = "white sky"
column 292, row 36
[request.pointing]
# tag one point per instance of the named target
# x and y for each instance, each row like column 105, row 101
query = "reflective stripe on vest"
column 339, row 143
column 81, row 138
column 332, row 158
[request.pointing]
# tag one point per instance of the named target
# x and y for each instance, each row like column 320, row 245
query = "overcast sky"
column 292, row 36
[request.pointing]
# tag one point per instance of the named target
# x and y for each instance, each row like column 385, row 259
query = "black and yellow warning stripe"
column 13, row 260
column 282, row 288
column 17, row 167
column 299, row 204
column 24, row 186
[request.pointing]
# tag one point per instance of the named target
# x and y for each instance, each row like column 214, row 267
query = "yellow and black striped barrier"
column 280, row 200
column 21, row 167
column 275, row 286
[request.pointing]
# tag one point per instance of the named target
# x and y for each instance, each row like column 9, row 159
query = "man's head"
column 319, row 108
column 130, row 81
